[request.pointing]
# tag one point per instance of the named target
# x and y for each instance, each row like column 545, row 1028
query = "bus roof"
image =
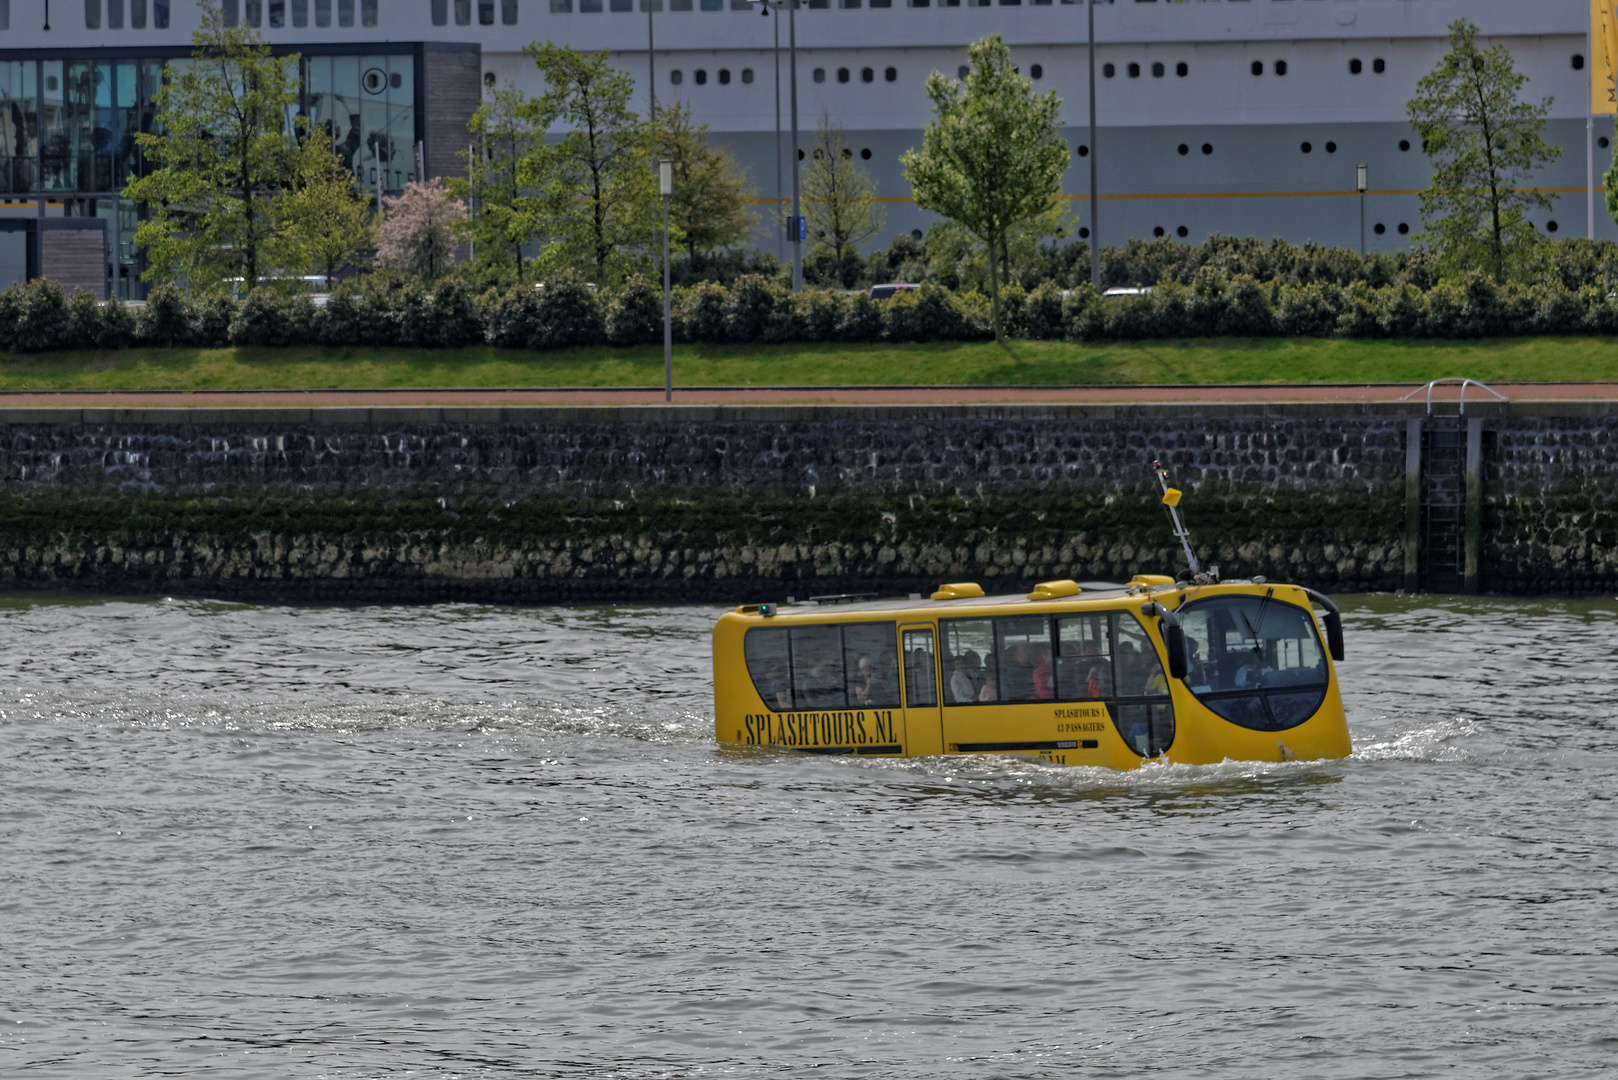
column 1089, row 591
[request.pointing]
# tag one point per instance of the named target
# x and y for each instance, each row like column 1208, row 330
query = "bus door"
column 924, row 721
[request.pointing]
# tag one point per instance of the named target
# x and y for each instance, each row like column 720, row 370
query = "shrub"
column 569, row 314
column 210, row 321
column 758, row 310
column 1401, row 311
column 1013, row 299
column 36, row 317
column 83, row 329
column 1083, row 317
column 1042, row 314
column 702, row 313
column 1248, row 310
column 862, row 319
column 635, row 313
column 511, row 320
column 457, row 317
column 1557, row 309
column 819, row 315
column 930, row 313
column 1359, row 317
column 1310, row 310
column 117, row 326
column 273, row 319
column 166, row 319
column 363, row 309
column 1482, row 312
column 1442, row 314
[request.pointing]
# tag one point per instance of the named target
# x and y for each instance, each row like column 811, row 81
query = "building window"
column 676, row 76
column 463, row 11
column 488, row 79
column 1331, row 148
column 1134, row 70
column 1379, row 65
column 961, row 72
column 5, row 14
column 1036, row 72
column 115, row 14
column 1280, row 67
column 92, row 15
column 820, row 75
column 137, row 14
column 160, row 14
column 616, row 5
column 1084, row 151
column 1355, row 67
column 253, row 11
column 842, row 75
column 1578, row 62
column 724, row 76
column 848, row 3
column 440, row 12
column 485, row 13
column 1380, row 228
column 1404, row 230
column 1182, row 232
column 1307, row 148
column 747, row 76
column 1184, row 149
column 1182, row 69
column 278, row 14
column 866, row 154
column 712, row 5
column 867, row 75
column 1108, row 71
column 1404, row 145
column 701, row 76
column 345, row 12
column 558, row 7
column 1158, row 232
column 322, row 12
column 300, row 12
column 1157, row 71
column 1207, row 148
column 508, row 12
column 891, row 74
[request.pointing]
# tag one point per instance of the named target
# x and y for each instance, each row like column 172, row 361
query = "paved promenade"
column 804, row 395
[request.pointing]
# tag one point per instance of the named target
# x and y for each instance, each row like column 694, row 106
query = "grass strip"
column 1026, row 363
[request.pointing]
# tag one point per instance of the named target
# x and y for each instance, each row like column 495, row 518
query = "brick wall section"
column 77, row 258
column 453, row 91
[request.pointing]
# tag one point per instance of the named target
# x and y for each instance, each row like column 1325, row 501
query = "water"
column 467, row 842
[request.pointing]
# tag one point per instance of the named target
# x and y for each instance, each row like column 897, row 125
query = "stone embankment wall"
column 763, row 502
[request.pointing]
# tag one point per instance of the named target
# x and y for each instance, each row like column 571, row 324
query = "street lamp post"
column 665, row 187
column 1359, row 182
column 1095, row 199
column 792, row 82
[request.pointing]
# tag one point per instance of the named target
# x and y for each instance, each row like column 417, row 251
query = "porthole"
column 1037, row 71
column 820, row 74
column 1380, row 228
column 800, row 155
column 1331, row 148
column 1134, row 70
column 1182, row 69
column 1184, row 149
column 747, row 76
column 848, row 155
column 1404, row 145
column 1157, row 71
column 1280, row 67
column 1307, row 148
column 1355, row 67
column 962, row 71
column 1258, row 67
column 1404, row 230
column 701, row 77
column 842, row 75
column 1158, row 232
column 1603, row 142
column 676, row 76
column 724, row 76
column 867, row 75
column 1207, row 148
column 1084, row 151
column 865, row 155
column 488, row 79
column 1108, row 71
column 1379, row 65
column 1578, row 62
column 1084, row 232
column 1551, row 226
column 891, row 74
column 917, row 235
column 1182, row 232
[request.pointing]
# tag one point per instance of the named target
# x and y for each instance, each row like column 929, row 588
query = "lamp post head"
column 665, row 177
column 1360, row 180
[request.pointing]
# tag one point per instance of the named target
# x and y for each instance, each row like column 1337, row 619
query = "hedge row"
column 389, row 310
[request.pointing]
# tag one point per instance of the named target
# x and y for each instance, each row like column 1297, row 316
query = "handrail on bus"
column 1454, row 379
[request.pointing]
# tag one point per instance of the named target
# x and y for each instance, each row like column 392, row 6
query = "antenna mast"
column 1171, row 499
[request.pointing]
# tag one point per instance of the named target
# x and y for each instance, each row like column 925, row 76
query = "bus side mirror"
column 1334, row 634
column 1174, row 638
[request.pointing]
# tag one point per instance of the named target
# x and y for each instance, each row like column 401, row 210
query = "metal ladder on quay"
column 1444, row 495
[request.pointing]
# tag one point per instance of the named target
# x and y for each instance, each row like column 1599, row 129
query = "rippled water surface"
column 464, row 841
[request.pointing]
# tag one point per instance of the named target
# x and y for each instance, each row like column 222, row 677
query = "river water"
column 465, row 841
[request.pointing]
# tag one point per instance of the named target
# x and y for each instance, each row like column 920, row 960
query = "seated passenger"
column 961, row 688
column 866, row 669
column 990, row 691
column 774, row 688
column 883, row 689
column 1044, row 684
column 1250, row 675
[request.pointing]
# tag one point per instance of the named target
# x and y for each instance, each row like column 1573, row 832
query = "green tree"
column 839, row 198
column 503, row 219
column 991, row 158
column 324, row 213
column 226, row 159
column 595, row 195
column 1485, row 145
column 709, row 206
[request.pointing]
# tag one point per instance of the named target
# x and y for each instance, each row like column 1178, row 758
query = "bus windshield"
column 1255, row 660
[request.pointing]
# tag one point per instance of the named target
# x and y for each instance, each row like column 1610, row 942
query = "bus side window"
column 871, row 665
column 1084, row 658
column 921, row 678
column 817, row 668
column 1024, row 654
column 1140, row 672
column 769, row 665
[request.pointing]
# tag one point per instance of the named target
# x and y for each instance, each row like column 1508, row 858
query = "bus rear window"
column 812, row 668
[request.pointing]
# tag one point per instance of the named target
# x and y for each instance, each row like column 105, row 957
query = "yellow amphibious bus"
column 1191, row 670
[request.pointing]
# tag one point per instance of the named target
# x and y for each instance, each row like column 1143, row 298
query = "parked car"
column 882, row 292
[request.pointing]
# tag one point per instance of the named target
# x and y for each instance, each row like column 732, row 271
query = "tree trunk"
column 994, row 288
